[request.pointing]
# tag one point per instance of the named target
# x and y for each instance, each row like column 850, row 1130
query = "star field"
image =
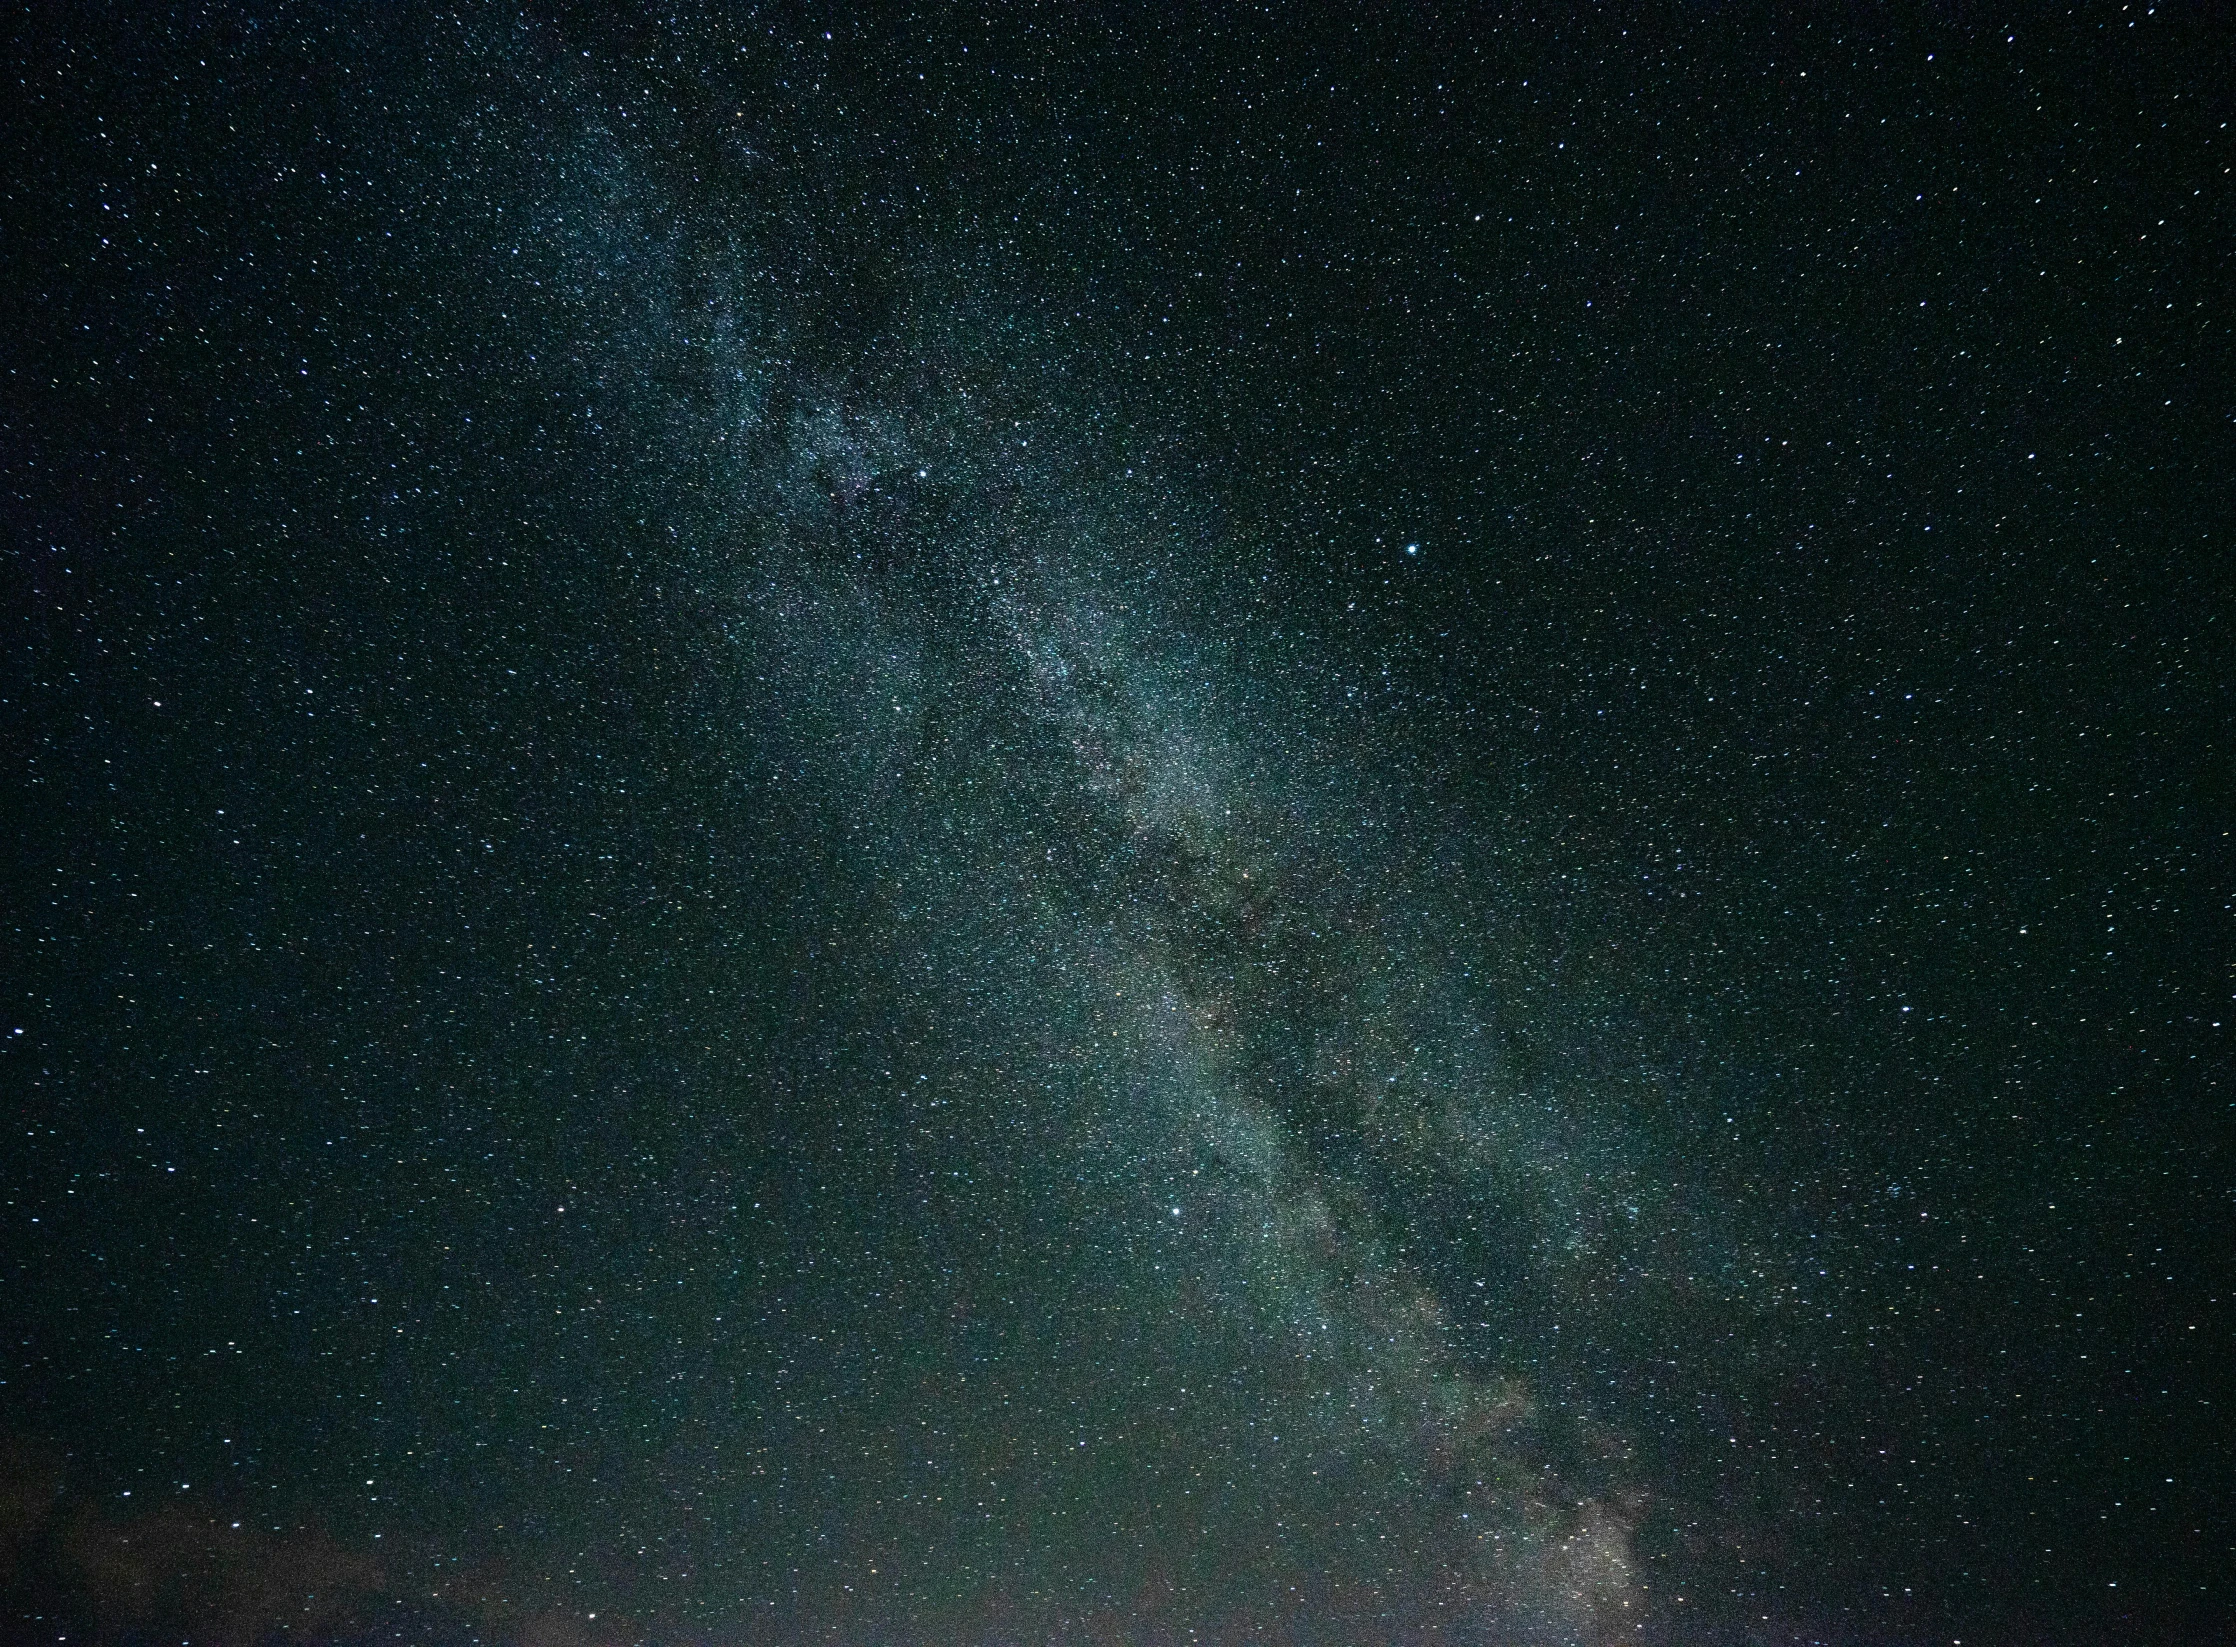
column 997, row 828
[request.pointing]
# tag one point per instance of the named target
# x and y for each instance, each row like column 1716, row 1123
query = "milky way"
column 1238, row 987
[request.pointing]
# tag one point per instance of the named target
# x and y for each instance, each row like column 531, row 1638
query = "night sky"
column 1072, row 825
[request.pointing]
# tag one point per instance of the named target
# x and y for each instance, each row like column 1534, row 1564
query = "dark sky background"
column 1063, row 825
